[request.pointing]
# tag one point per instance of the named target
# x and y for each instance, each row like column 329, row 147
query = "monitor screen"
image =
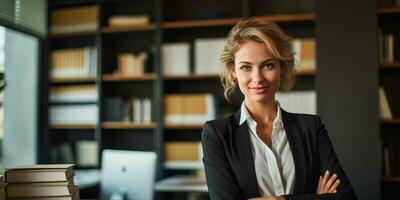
column 128, row 173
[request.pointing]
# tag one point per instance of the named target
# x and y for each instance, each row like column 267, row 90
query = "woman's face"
column 257, row 72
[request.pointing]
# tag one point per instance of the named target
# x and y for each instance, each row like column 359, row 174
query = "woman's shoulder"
column 307, row 120
column 221, row 123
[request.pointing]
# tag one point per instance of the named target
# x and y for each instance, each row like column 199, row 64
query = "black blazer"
column 229, row 163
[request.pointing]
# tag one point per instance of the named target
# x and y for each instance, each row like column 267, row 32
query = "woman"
column 262, row 151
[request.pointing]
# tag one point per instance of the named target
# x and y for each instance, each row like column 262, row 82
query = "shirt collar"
column 244, row 115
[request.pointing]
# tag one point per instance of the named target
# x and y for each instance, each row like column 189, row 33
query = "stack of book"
column 189, row 109
column 45, row 182
column 305, row 54
column 2, row 188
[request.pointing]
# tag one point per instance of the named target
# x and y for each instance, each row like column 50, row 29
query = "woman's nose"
column 256, row 75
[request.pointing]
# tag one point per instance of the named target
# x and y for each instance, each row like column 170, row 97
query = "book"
column 176, row 58
column 384, row 107
column 113, row 109
column 298, row 101
column 74, row 114
column 207, row 52
column 73, row 62
column 39, row 173
column 73, row 94
column 45, row 189
column 128, row 20
column 189, row 108
column 87, row 151
column 304, row 50
column 182, row 151
column 73, row 196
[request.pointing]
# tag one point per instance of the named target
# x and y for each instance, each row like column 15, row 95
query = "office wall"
column 346, row 83
column 20, row 99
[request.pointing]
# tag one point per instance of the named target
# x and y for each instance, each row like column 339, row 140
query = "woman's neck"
column 262, row 112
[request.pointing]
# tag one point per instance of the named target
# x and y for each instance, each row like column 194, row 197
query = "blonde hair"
column 278, row 44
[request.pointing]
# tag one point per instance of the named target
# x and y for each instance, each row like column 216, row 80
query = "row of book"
column 389, row 47
column 136, row 110
column 391, row 159
column 178, row 108
column 71, row 20
column 74, row 62
column 74, row 114
column 73, row 94
column 40, row 182
column 85, row 154
column 189, row 108
column 176, row 57
column 183, row 154
column 86, row 19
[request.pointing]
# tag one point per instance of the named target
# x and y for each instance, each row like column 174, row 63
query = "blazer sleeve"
column 328, row 161
column 221, row 181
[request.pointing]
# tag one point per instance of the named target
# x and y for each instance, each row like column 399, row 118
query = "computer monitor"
column 128, row 173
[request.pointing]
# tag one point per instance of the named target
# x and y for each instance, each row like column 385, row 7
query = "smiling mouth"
column 260, row 89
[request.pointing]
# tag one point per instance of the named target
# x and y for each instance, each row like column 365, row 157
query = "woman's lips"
column 259, row 89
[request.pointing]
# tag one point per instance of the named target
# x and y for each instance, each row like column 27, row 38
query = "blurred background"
column 87, row 76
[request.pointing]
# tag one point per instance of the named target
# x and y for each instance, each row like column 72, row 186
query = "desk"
column 181, row 183
column 87, row 178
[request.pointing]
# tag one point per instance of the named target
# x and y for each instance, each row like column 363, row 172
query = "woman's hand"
column 328, row 184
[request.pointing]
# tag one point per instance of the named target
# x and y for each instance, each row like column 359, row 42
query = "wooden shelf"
column 200, row 23
column 233, row 21
column 120, row 29
column 73, row 80
column 391, row 179
column 183, row 126
column 306, row 72
column 288, row 18
column 303, row 72
column 60, row 3
column 191, row 77
column 393, row 10
column 116, row 77
column 73, row 126
column 390, row 121
column 127, row 125
column 389, row 66
column 73, row 34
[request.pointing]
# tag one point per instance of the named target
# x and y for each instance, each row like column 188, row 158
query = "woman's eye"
column 245, row 68
column 269, row 65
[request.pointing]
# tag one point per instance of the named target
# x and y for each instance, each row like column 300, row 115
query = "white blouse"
column 274, row 166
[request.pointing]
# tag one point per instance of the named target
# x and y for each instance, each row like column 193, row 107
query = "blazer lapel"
column 293, row 134
column 244, row 162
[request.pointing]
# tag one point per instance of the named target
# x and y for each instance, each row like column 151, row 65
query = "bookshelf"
column 175, row 21
column 389, row 77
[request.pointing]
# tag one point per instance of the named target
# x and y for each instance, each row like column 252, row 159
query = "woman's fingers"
column 330, row 182
column 324, row 181
column 334, row 187
column 327, row 183
column 319, row 184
